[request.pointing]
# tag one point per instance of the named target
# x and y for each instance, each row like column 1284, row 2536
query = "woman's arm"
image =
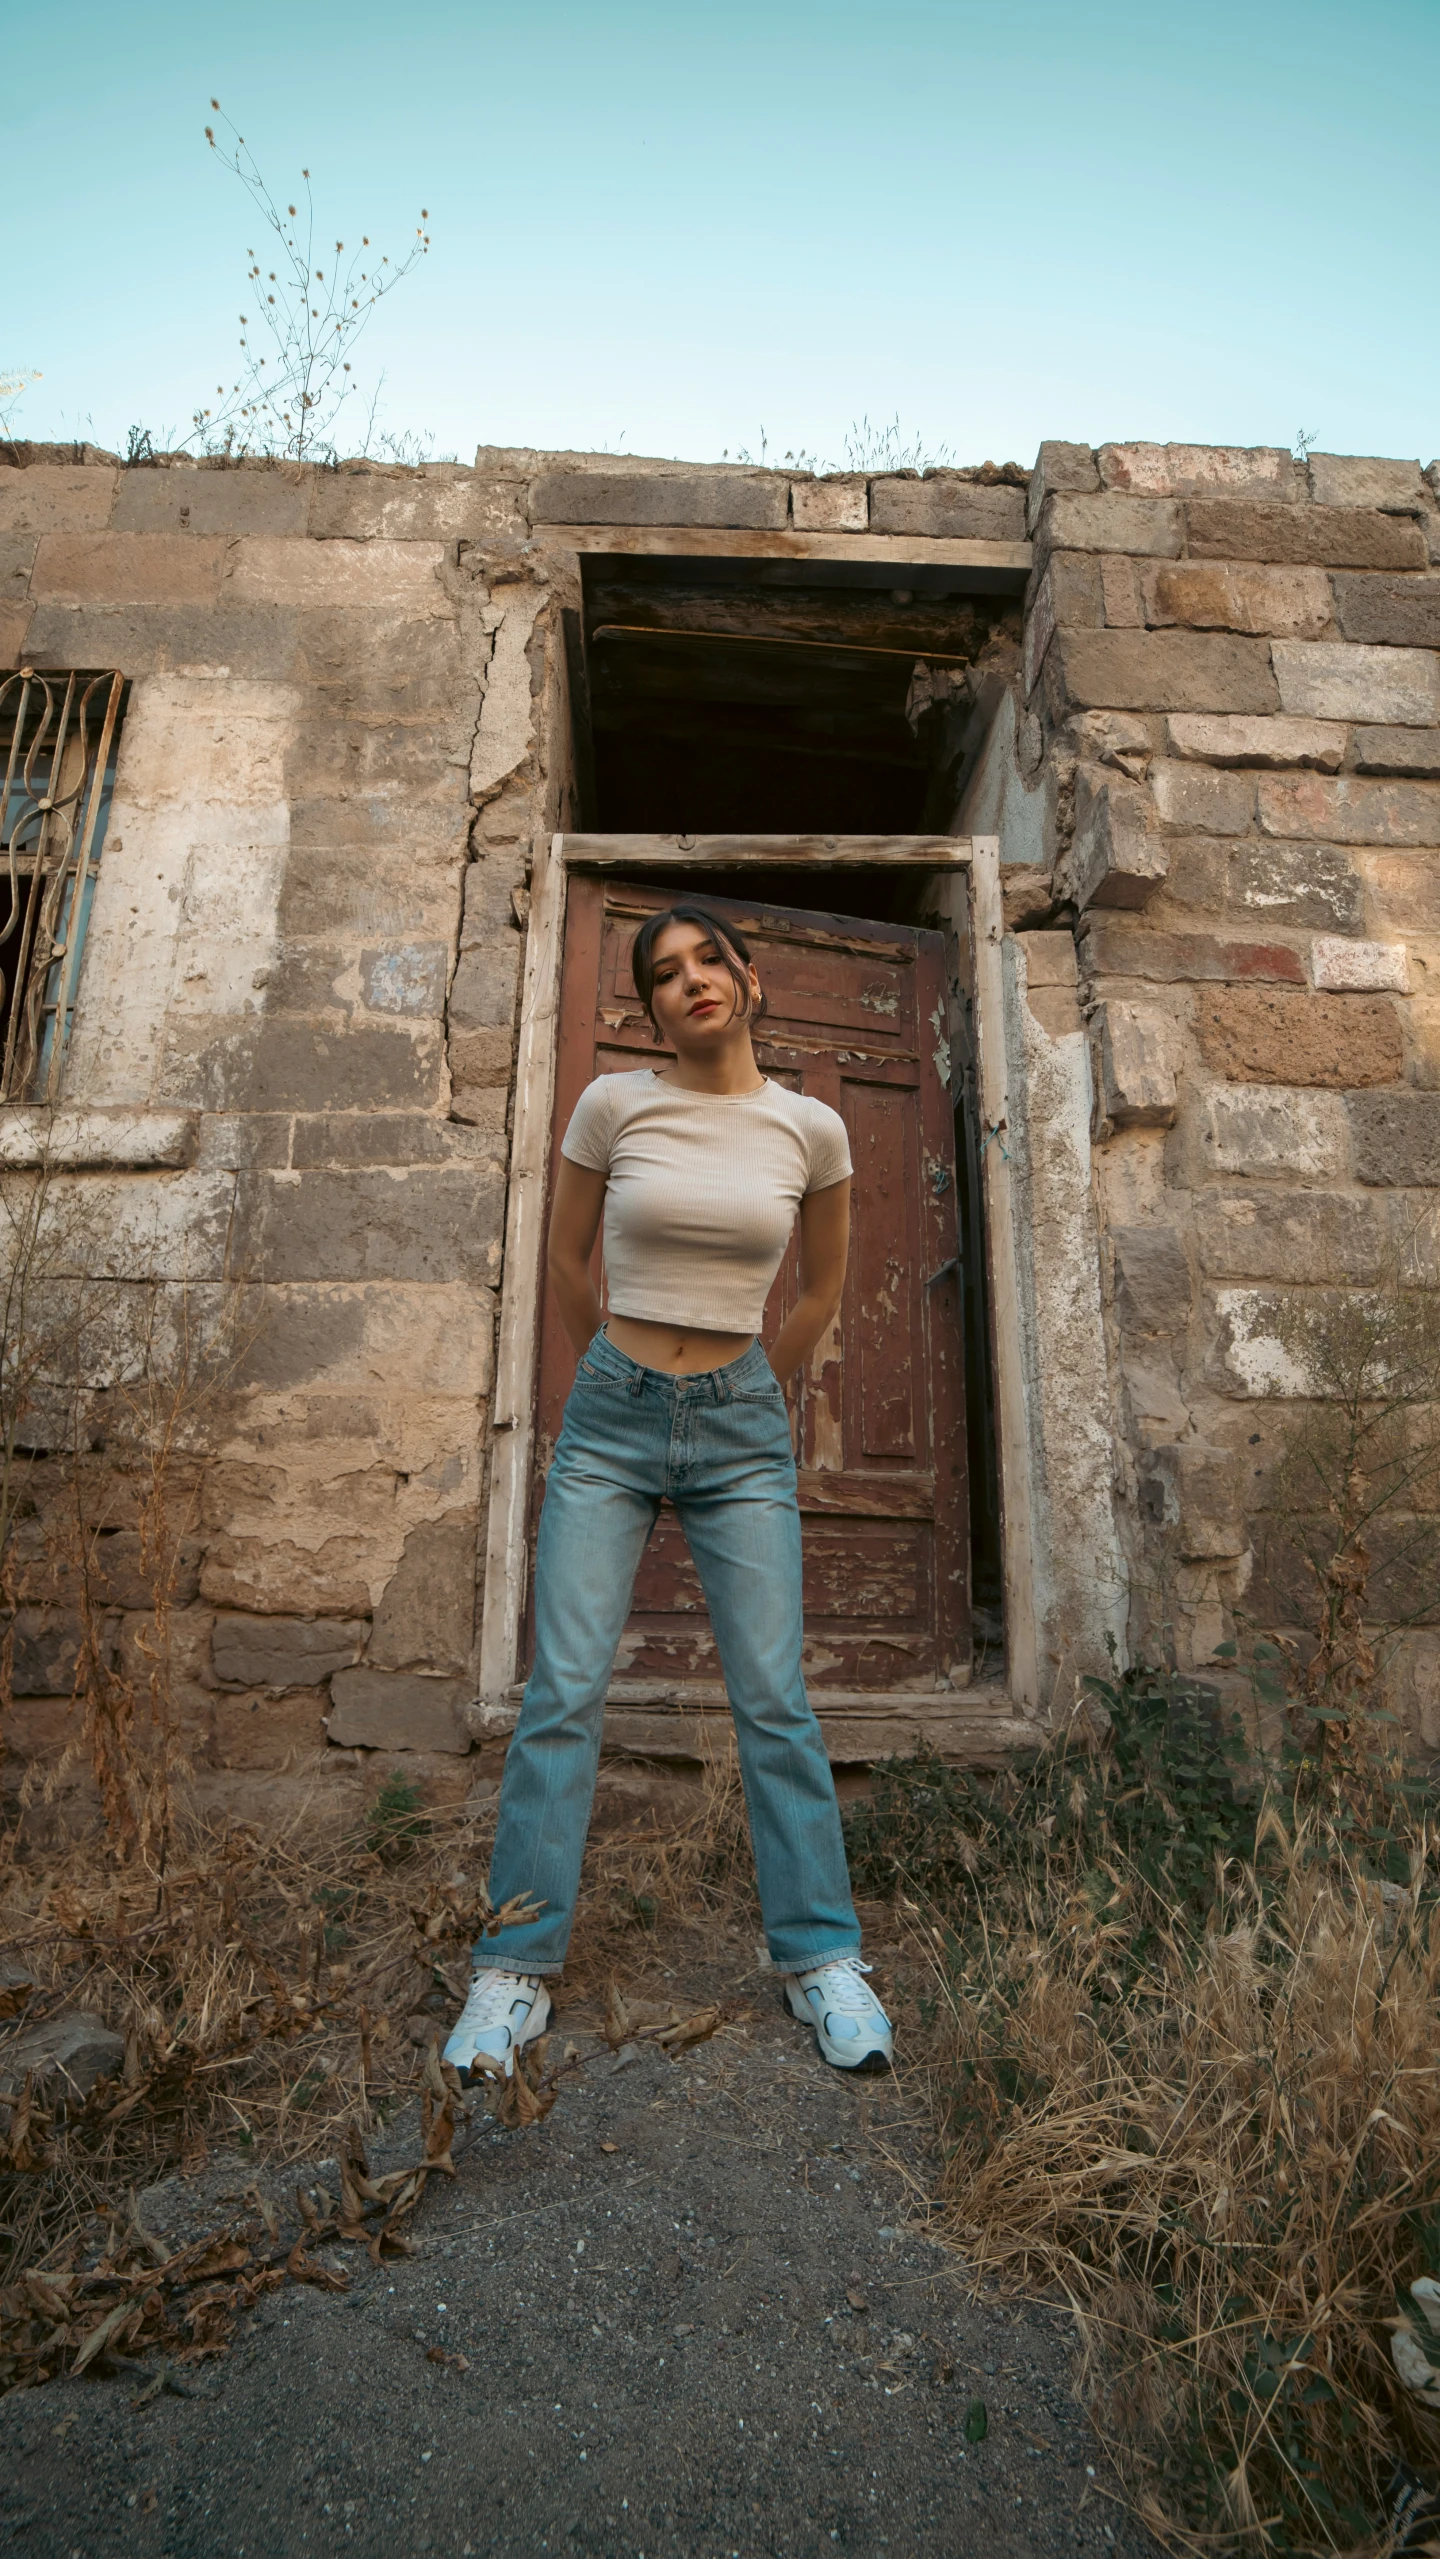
column 575, row 1215
column 824, row 1251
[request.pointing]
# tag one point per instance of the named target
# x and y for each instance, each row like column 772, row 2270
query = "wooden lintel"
column 765, row 852
column 1005, row 562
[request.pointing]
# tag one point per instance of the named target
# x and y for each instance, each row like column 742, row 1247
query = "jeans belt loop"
column 637, row 1382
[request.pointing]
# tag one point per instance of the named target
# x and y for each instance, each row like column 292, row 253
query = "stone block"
column 1359, row 967
column 1189, row 1489
column 726, row 496
column 284, row 1652
column 1124, row 598
column 946, row 508
column 1117, row 857
column 481, row 1108
column 342, row 1340
column 840, row 504
column 1303, row 1239
column 422, row 1222
column 97, row 1140
column 1198, row 470
column 57, row 498
column 1194, row 798
column 1049, row 959
column 1397, row 1139
column 15, row 622
column 1027, row 895
column 1369, row 480
column 1349, row 812
column 1249, row 1355
column 1404, row 894
column 425, row 1617
column 481, row 1060
column 383, row 1137
column 1152, row 1279
column 397, row 1710
column 1395, row 613
column 1148, row 528
column 269, row 1731
column 176, row 498
column 391, row 577
column 1265, row 1035
column 1059, row 466
column 1263, row 1133
column 409, row 978
column 1330, row 680
column 17, row 559
column 1057, row 1010
column 287, row 1062
column 1415, row 752
column 1135, row 1076
column 441, row 502
column 1115, row 949
column 1215, row 595
column 122, row 1571
column 1068, row 595
column 127, row 569
column 1165, row 671
column 46, row 1646
column 1301, row 888
column 1334, row 537
column 158, row 638
column 1269, row 744
column 260, row 1576
column 67, row 2055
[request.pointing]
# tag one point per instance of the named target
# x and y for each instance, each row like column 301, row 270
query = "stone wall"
column 1219, row 776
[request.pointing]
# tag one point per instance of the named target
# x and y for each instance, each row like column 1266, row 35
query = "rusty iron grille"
column 58, row 740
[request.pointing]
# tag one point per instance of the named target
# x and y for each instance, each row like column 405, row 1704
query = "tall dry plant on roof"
column 307, row 314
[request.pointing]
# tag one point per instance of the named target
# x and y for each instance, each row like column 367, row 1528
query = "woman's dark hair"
column 732, row 946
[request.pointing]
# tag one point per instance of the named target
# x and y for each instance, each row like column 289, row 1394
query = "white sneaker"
column 851, row 2027
column 503, row 2013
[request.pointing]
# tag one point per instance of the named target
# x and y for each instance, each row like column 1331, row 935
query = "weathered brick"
column 947, row 508
column 1401, row 751
column 1202, row 801
column 1397, row 613
column 385, row 1137
column 1059, row 466
column 260, row 1576
column 57, row 498
column 840, row 504
column 1397, row 1139
column 755, row 501
column 1134, row 1055
column 1049, row 959
column 1069, row 592
column 284, row 1652
column 1361, row 479
column 286, row 1062
column 1330, row 680
column 343, row 1340
column 1165, row 671
column 1349, row 812
column 1196, row 470
column 1216, row 595
column 442, row 502
column 400, row 577
column 180, row 498
column 427, row 1222
column 1405, row 894
column 1264, row 1133
column 397, row 1710
column 482, row 1059
column 1359, row 967
column 1116, row 857
column 1334, row 537
column 1149, row 527
column 1115, row 949
column 425, row 1617
column 1152, row 1278
column 1266, row 743
column 127, row 569
column 1300, row 888
column 1260, row 1035
column 1301, row 1238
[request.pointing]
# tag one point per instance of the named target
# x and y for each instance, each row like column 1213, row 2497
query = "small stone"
column 1362, row 967
column 67, row 2055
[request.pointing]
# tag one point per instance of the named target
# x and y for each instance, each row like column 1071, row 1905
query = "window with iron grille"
column 59, row 736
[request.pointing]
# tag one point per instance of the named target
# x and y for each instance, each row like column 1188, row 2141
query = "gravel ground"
column 695, row 2322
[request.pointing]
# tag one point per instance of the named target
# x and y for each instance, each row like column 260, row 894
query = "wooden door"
column 857, row 1016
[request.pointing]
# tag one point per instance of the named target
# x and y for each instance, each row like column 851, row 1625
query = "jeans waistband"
column 707, row 1385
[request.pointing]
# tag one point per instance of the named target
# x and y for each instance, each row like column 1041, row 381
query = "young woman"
column 699, row 1170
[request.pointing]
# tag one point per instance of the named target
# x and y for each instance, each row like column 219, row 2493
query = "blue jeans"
column 719, row 1446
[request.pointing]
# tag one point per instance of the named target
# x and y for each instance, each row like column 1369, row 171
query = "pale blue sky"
column 677, row 225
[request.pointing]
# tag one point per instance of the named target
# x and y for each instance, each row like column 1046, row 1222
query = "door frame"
column 517, row 1349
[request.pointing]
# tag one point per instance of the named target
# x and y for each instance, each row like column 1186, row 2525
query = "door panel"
column 877, row 1416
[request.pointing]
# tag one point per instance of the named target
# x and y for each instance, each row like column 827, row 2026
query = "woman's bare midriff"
column 678, row 1349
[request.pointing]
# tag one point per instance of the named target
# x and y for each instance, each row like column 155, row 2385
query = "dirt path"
column 654, row 2293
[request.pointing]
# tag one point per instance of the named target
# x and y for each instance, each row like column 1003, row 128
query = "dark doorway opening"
column 771, row 697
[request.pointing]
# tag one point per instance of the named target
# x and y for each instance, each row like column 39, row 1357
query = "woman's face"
column 694, row 999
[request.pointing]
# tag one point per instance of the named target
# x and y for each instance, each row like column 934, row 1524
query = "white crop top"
column 702, row 1191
